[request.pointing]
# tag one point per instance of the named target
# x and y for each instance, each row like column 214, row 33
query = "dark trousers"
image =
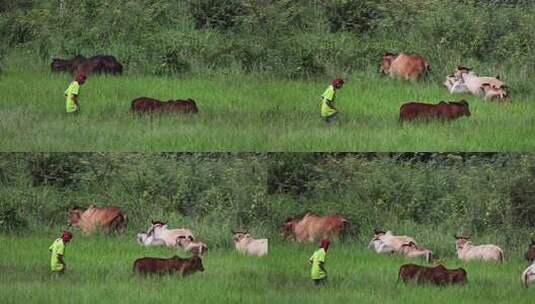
column 320, row 282
column 331, row 119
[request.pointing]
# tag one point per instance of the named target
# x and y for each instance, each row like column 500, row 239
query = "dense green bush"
column 281, row 37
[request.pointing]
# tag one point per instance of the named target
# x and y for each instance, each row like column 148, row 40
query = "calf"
column 466, row 251
column 188, row 244
column 442, row 111
column 150, row 265
column 244, row 243
column 410, row 250
column 149, row 105
column 391, row 240
column 438, row 275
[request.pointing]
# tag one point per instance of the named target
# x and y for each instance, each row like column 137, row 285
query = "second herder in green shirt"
column 328, row 105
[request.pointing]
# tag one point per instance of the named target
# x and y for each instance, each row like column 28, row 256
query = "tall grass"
column 248, row 113
column 100, row 270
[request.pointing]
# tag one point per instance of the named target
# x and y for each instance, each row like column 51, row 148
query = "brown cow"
column 100, row 64
column 67, row 65
column 530, row 254
column 151, row 105
column 442, row 111
column 438, row 275
column 107, row 219
column 313, row 227
column 408, row 67
column 149, row 265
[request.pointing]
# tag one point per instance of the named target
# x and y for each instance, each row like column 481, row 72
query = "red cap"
column 337, row 82
column 325, row 244
column 67, row 235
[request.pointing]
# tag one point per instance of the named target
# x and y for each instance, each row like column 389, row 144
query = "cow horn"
column 456, row 237
column 497, row 76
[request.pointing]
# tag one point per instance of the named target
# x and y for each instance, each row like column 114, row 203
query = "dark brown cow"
column 530, row 254
column 149, row 265
column 67, row 65
column 100, row 64
column 151, row 105
column 438, row 275
column 441, row 111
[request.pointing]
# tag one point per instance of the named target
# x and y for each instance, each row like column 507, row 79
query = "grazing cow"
column 410, row 250
column 380, row 246
column 144, row 238
column 426, row 112
column 455, row 85
column 313, row 227
column 528, row 276
column 465, row 80
column 160, row 231
column 438, row 275
column 530, row 254
column 408, row 67
column 107, row 219
column 195, row 247
column 244, row 243
column 67, row 65
column 100, row 64
column 149, row 265
column 466, row 251
column 151, row 105
column 391, row 240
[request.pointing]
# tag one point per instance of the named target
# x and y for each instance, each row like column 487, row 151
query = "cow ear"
column 497, row 76
column 190, row 237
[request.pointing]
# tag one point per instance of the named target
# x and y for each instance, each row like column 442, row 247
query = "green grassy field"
column 247, row 113
column 100, row 271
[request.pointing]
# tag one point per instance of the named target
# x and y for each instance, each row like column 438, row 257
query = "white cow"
column 381, row 247
column 244, row 243
column 197, row 247
column 466, row 251
column 528, row 276
column 144, row 238
column 160, row 231
column 465, row 80
column 391, row 240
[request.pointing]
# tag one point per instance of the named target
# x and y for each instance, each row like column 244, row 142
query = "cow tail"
column 501, row 257
column 525, row 279
column 399, row 273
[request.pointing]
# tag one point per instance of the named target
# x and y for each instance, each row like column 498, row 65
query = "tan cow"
column 244, row 243
column 314, row 227
column 195, row 247
column 408, row 67
column 466, row 251
column 391, row 240
column 160, row 231
column 106, row 219
column 410, row 250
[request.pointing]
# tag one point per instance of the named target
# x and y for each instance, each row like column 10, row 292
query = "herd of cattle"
column 404, row 66
column 305, row 229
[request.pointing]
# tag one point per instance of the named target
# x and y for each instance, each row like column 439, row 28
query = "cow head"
column 461, row 241
column 463, row 108
column 141, row 237
column 493, row 92
column 239, row 236
column 288, row 226
column 386, row 62
column 458, row 276
column 530, row 254
column 196, row 264
column 74, row 216
column 460, row 71
column 377, row 234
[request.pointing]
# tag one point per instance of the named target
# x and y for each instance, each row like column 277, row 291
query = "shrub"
column 220, row 14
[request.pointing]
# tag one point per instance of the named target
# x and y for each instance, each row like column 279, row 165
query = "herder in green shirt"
column 328, row 106
column 57, row 262
column 318, row 271
column 73, row 106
